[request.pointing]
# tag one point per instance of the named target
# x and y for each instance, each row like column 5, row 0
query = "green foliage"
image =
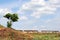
column 12, row 18
column 8, row 16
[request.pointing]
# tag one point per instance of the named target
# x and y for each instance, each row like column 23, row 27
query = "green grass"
column 46, row 37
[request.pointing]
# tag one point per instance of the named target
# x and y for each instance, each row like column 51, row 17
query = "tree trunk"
column 9, row 24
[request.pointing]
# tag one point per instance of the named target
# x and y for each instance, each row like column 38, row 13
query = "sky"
column 33, row 14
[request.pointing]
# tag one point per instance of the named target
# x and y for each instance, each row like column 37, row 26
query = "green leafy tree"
column 11, row 18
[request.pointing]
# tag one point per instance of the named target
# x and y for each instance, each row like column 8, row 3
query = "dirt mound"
column 11, row 34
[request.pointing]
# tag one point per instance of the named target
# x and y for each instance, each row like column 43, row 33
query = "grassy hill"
column 11, row 34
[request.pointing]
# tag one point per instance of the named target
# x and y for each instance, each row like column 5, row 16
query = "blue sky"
column 33, row 14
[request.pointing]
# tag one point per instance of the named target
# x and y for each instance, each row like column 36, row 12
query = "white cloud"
column 23, row 18
column 47, row 21
column 43, row 10
column 48, row 7
column 3, row 21
column 4, row 11
column 38, row 2
column 54, row 1
column 26, row 6
column 43, row 26
column 35, row 28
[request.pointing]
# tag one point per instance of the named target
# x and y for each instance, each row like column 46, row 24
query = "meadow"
column 46, row 36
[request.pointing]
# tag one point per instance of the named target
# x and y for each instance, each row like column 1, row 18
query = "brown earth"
column 11, row 34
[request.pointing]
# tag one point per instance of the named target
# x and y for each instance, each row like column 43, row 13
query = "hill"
column 12, row 34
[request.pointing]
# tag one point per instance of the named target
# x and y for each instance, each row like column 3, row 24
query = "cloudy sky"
column 33, row 14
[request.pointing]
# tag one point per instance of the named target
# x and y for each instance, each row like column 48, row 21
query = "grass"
column 49, row 36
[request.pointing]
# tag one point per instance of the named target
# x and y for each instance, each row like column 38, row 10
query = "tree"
column 11, row 18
